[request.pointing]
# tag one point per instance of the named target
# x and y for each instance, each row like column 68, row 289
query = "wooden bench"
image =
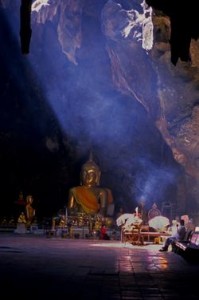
column 154, row 236
column 132, row 236
column 188, row 248
column 139, row 235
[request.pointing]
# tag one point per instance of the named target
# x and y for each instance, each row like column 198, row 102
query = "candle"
column 136, row 211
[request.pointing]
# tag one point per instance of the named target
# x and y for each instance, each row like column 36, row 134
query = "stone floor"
column 37, row 267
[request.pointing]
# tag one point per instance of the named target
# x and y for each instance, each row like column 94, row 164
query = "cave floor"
column 34, row 266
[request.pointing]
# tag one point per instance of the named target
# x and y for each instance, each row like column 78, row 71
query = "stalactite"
column 25, row 25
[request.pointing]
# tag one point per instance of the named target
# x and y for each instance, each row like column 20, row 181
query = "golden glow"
column 118, row 244
column 154, row 261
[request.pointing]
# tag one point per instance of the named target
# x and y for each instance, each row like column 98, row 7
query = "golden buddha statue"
column 89, row 198
column 29, row 210
column 22, row 218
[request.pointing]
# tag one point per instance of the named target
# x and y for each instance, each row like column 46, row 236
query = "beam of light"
column 99, row 117
column 150, row 178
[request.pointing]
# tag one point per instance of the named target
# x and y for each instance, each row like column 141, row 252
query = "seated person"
column 179, row 235
column 89, row 198
column 103, row 233
column 172, row 229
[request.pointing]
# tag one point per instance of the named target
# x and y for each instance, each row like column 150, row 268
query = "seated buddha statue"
column 89, row 198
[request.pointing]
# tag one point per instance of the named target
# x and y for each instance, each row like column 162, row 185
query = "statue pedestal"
column 79, row 232
column 21, row 228
column 33, row 228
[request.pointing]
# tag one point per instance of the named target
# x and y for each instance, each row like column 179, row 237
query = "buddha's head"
column 29, row 199
column 90, row 173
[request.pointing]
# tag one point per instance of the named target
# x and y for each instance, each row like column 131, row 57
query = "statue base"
column 21, row 228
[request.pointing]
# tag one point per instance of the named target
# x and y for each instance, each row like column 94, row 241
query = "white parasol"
column 159, row 222
column 128, row 221
column 121, row 220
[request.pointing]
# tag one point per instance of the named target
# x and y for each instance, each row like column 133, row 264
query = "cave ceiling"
column 101, row 75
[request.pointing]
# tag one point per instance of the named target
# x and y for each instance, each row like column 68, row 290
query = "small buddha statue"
column 89, row 198
column 22, row 218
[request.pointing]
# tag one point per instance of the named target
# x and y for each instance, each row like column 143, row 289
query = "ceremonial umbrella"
column 121, row 220
column 159, row 222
